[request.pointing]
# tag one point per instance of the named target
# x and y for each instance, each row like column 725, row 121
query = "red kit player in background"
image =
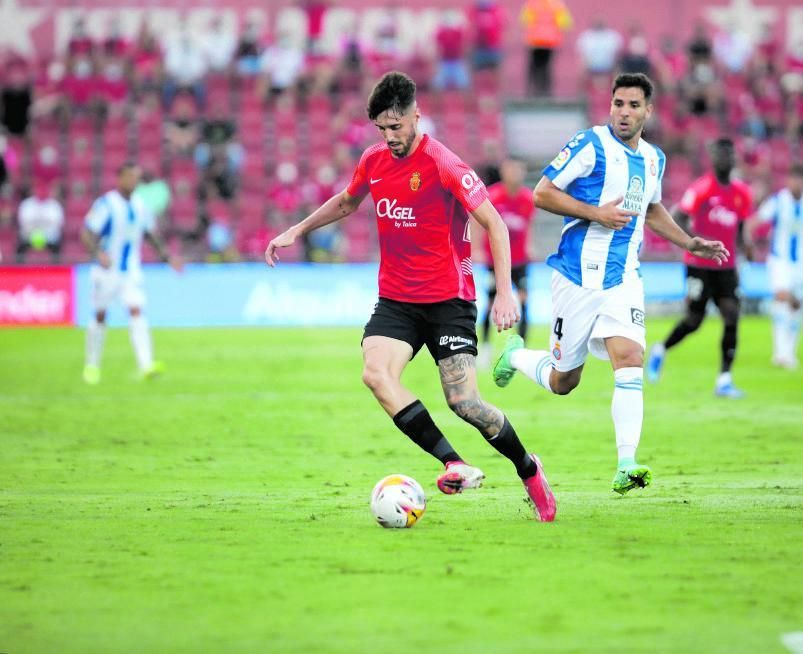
column 713, row 207
column 514, row 202
column 424, row 194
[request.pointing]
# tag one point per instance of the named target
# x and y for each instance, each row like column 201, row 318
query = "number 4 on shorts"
column 558, row 331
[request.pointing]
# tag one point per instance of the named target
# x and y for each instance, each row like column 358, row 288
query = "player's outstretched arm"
column 505, row 311
column 551, row 198
column 660, row 221
column 335, row 208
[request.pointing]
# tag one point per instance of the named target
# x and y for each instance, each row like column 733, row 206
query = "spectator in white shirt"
column 41, row 222
column 282, row 64
column 599, row 47
column 185, row 68
column 219, row 45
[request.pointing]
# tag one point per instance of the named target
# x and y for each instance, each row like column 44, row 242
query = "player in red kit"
column 515, row 205
column 714, row 207
column 424, row 194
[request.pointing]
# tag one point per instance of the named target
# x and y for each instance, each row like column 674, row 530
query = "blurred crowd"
column 241, row 133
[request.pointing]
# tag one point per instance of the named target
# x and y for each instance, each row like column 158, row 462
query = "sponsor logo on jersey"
column 576, row 140
column 723, row 216
column 653, row 169
column 560, row 161
column 455, row 342
column 415, row 181
column 634, row 197
column 637, row 316
column 386, row 208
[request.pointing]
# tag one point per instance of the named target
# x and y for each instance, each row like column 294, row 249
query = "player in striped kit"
column 606, row 183
column 785, row 266
column 113, row 233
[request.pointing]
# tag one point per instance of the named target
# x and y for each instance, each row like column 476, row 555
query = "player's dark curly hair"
column 395, row 91
column 634, row 80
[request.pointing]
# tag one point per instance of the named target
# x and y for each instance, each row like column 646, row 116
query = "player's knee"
column 375, row 378
column 694, row 319
column 464, row 408
column 564, row 384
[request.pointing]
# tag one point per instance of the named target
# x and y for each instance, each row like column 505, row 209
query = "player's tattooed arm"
column 459, row 381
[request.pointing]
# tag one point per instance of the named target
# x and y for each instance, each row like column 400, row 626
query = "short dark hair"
column 634, row 80
column 724, row 142
column 126, row 165
column 394, row 91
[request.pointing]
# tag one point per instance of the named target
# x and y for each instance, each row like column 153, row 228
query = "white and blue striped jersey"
column 786, row 215
column 121, row 224
column 596, row 167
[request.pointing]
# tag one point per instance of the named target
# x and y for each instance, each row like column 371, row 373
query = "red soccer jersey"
column 517, row 213
column 716, row 212
column 422, row 203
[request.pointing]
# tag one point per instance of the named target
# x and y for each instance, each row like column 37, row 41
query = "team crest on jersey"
column 415, row 181
column 563, row 156
column 556, row 352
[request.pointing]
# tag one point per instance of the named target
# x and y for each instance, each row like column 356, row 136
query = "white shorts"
column 110, row 285
column 582, row 318
column 785, row 275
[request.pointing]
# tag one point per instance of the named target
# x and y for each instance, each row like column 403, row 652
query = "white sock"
column 141, row 340
column 793, row 333
column 781, row 317
column 95, row 334
column 724, row 379
column 536, row 364
column 627, row 410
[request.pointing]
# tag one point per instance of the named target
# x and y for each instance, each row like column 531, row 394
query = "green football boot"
column 91, row 374
column 157, row 369
column 630, row 476
column 503, row 369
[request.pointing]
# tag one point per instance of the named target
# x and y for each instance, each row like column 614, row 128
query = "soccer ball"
column 398, row 501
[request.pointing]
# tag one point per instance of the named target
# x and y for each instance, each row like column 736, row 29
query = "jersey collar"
column 618, row 140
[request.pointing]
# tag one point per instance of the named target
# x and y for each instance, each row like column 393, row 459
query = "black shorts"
column 517, row 273
column 446, row 328
column 703, row 284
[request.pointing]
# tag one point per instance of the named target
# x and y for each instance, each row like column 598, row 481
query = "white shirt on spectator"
column 599, row 47
column 185, row 62
column 45, row 215
column 282, row 64
column 219, row 46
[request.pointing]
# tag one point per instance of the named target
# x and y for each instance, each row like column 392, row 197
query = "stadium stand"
column 94, row 121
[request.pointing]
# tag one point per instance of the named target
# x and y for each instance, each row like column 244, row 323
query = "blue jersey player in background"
column 113, row 233
column 606, row 183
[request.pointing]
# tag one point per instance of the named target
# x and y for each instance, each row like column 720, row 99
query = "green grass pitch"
column 224, row 507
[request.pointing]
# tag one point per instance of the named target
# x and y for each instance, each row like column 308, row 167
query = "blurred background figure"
column 248, row 50
column 451, row 69
column 487, row 19
column 219, row 45
column 544, row 23
column 40, row 223
column 281, row 65
column 515, row 204
column 185, row 68
column 599, row 47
